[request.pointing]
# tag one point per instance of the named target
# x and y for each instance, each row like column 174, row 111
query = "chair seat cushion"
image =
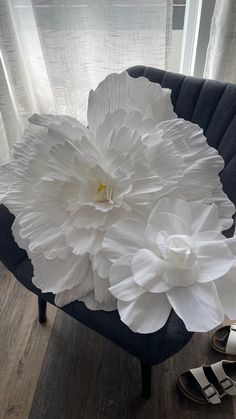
column 10, row 253
column 151, row 348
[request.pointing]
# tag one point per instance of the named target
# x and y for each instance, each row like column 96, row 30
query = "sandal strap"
column 231, row 342
column 227, row 384
column 209, row 391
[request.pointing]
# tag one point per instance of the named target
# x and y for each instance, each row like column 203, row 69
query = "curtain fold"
column 221, row 52
column 52, row 52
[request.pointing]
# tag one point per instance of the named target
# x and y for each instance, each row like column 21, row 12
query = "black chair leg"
column 42, row 305
column 146, row 371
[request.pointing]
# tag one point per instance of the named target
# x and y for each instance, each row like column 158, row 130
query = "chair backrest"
column 210, row 104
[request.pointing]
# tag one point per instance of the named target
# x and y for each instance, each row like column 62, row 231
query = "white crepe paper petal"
column 198, row 306
column 147, row 269
column 123, row 92
column 231, row 242
column 123, row 286
column 127, row 236
column 145, row 314
column 170, row 223
column 101, row 264
column 226, row 288
column 214, row 256
column 82, row 241
column 53, row 276
column 199, row 162
column 110, row 304
column 79, row 291
column 225, row 207
column 205, row 218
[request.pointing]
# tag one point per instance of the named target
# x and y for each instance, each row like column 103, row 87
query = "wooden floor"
column 62, row 370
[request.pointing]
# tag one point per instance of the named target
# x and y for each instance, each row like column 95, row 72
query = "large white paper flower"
column 178, row 260
column 67, row 184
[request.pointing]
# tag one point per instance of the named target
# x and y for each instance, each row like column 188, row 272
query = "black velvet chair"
column 210, row 104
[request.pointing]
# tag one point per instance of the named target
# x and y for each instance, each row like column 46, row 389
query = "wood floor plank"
column 84, row 376
column 234, row 404
column 23, row 343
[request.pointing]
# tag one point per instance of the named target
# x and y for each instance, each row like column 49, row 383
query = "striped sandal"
column 210, row 383
column 224, row 340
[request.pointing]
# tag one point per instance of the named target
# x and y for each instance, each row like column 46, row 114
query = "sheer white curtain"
column 221, row 52
column 52, row 52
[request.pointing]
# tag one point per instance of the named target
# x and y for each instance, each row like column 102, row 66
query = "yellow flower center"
column 103, row 193
column 101, row 187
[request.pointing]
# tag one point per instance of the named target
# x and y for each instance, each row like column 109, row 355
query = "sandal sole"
column 189, row 396
column 214, row 346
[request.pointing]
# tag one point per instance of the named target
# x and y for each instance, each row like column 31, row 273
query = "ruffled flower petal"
column 63, row 122
column 101, row 264
column 201, row 165
column 145, row 314
column 159, row 221
column 198, row 306
column 78, row 292
column 214, row 256
column 91, row 303
column 125, row 237
column 61, row 163
column 56, row 276
column 123, row 286
column 101, row 299
column 146, row 190
column 42, row 228
column 163, row 156
column 231, row 243
column 102, row 295
column 177, row 277
column 148, row 269
column 123, row 131
column 226, row 288
column 225, row 207
column 120, row 91
column 83, row 241
column 205, row 218
column 87, row 217
column 179, row 207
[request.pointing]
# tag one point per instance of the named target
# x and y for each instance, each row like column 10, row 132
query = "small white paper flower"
column 67, row 184
column 178, row 260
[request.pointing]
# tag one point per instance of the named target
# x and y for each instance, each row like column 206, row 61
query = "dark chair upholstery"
column 210, row 104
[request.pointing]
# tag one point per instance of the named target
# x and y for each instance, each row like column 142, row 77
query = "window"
column 177, row 34
column 191, row 25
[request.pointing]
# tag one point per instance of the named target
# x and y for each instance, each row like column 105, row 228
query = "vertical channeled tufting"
column 223, row 115
column 174, row 82
column 207, row 102
column 227, row 145
column 154, row 74
column 188, row 97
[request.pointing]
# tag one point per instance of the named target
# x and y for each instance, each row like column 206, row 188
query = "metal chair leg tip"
column 146, row 396
column 42, row 319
